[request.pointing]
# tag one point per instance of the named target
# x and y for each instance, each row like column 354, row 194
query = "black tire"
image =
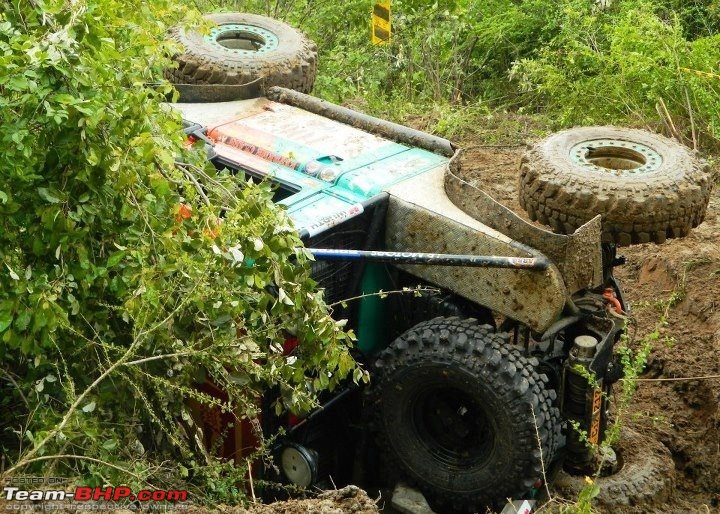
column 647, row 475
column 406, row 310
column 646, row 187
column 459, row 413
column 284, row 56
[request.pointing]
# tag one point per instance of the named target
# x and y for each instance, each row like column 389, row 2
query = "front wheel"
column 462, row 414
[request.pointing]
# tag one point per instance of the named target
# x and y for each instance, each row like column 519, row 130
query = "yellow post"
column 381, row 29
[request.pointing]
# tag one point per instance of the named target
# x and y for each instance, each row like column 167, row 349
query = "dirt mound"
column 348, row 500
column 681, row 412
column 343, row 501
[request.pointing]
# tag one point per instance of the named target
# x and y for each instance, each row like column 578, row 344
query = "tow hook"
column 609, row 295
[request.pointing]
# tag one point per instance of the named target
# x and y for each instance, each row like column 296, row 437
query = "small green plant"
column 585, row 497
column 658, row 420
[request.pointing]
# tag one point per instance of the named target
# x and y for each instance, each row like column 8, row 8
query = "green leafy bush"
column 626, row 64
column 441, row 52
column 698, row 18
column 633, row 62
column 119, row 286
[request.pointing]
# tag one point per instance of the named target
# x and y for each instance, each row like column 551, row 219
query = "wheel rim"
column 242, row 39
column 616, row 157
column 452, row 427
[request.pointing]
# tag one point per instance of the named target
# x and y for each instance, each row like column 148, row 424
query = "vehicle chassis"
column 554, row 294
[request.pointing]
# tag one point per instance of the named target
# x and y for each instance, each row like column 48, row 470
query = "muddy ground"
column 671, row 406
column 348, row 500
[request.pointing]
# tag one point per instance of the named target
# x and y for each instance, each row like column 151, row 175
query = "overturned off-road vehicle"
column 479, row 380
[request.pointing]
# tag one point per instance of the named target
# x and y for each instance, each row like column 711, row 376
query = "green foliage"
column 585, row 498
column 119, row 287
column 698, row 18
column 441, row 52
column 634, row 62
column 629, row 63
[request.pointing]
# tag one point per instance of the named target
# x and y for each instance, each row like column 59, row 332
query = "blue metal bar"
column 437, row 259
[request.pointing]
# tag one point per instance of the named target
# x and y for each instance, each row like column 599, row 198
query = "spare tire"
column 462, row 414
column 242, row 48
column 646, row 187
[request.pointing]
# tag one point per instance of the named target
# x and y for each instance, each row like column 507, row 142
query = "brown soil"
column 684, row 415
column 348, row 500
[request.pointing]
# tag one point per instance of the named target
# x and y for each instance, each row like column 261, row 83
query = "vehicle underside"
column 489, row 340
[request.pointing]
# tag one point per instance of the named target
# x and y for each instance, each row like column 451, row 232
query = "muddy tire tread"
column 484, row 353
column 292, row 65
column 650, row 208
column 647, row 477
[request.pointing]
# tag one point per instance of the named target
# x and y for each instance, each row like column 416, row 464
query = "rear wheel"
column 462, row 414
column 242, row 48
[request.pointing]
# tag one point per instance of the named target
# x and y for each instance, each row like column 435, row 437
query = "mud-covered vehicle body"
column 509, row 322
column 480, row 329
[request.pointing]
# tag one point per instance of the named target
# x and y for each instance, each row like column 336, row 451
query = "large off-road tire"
column 646, row 478
column 646, row 187
column 242, row 48
column 406, row 311
column 462, row 414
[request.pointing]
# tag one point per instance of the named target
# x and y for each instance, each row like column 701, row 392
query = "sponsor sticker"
column 594, row 435
column 329, row 221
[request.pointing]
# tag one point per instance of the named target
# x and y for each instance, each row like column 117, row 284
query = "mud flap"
column 422, row 218
column 578, row 256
